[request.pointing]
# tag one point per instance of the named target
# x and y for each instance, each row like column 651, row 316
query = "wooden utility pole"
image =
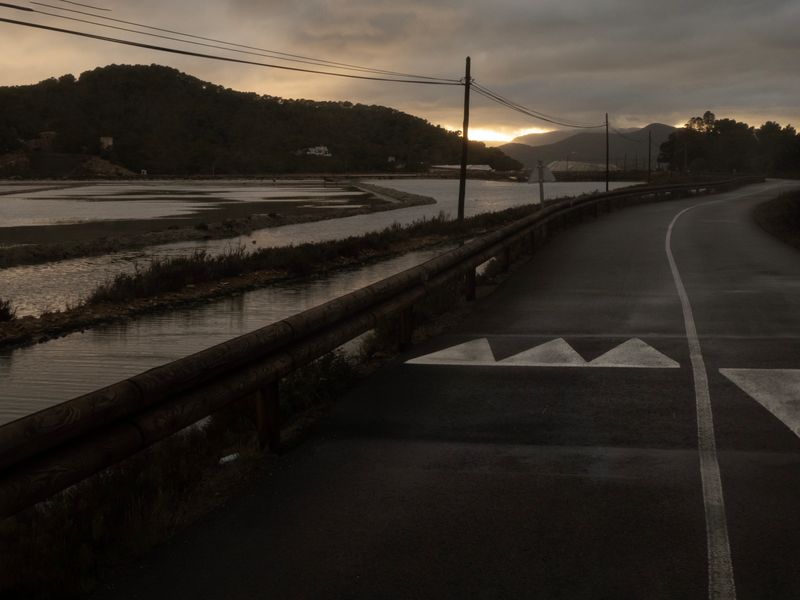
column 462, row 185
column 606, row 151
column 649, row 155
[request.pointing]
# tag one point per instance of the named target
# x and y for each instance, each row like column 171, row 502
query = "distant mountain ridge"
column 630, row 147
column 167, row 122
column 542, row 139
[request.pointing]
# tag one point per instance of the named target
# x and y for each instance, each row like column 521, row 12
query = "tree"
column 168, row 122
column 710, row 144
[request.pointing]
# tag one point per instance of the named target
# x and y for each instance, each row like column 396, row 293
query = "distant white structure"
column 571, row 166
column 484, row 168
column 315, row 151
column 547, row 175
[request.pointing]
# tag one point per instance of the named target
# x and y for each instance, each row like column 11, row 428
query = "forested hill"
column 168, row 122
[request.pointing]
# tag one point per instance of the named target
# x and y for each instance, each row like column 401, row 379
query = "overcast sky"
column 640, row 60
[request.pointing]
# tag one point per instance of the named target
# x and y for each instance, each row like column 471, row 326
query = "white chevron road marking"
column 777, row 390
column 632, row 354
column 635, row 354
column 477, row 352
column 555, row 353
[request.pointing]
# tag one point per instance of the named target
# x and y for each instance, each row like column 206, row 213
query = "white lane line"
column 721, row 584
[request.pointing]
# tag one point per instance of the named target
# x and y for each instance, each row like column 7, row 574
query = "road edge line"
column 721, row 584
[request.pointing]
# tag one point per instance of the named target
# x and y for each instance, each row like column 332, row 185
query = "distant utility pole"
column 649, row 155
column 606, row 151
column 540, row 167
column 462, row 185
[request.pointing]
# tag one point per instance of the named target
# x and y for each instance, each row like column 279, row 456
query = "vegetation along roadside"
column 780, row 217
column 200, row 277
column 123, row 511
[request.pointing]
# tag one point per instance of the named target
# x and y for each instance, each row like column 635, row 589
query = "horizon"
column 640, row 62
column 491, row 137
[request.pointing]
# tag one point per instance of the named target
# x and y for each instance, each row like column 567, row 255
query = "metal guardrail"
column 48, row 451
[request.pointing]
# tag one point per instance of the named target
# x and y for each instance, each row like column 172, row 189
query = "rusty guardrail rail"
column 48, row 451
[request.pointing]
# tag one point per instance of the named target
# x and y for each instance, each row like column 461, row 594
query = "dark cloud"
column 641, row 60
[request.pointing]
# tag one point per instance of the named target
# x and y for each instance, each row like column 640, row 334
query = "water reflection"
column 26, row 206
column 52, row 286
column 39, row 376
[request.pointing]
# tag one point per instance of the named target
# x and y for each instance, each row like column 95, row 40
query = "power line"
column 626, row 137
column 271, row 53
column 25, row 8
column 483, row 91
column 174, row 39
column 216, row 57
column 496, row 96
column 84, row 5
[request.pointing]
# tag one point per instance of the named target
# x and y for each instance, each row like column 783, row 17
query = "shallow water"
column 39, row 376
column 53, row 286
column 81, row 203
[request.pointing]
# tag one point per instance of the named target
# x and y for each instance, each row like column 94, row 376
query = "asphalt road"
column 509, row 469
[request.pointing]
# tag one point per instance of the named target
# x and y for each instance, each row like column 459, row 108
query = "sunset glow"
column 485, row 134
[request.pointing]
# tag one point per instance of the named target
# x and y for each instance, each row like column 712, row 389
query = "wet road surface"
column 618, row 420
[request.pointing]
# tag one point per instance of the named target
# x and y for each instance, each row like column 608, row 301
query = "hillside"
column 543, row 139
column 171, row 123
column 590, row 147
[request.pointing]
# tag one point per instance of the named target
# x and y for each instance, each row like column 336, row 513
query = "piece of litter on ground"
column 229, row 459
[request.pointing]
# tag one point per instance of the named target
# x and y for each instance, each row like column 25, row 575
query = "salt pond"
column 35, row 289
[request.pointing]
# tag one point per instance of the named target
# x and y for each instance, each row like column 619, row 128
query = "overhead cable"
column 626, row 137
column 505, row 100
column 84, row 5
column 171, row 38
column 483, row 91
column 271, row 53
column 216, row 57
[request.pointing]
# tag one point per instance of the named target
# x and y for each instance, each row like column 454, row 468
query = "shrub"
column 7, row 312
column 165, row 275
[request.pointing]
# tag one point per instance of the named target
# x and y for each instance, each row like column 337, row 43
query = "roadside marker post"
column 540, row 167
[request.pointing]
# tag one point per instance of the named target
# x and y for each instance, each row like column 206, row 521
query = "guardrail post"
column 405, row 327
column 470, row 285
column 268, row 416
column 505, row 261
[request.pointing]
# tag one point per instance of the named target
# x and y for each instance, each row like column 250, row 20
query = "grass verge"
column 172, row 274
column 60, row 548
column 63, row 547
column 780, row 217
